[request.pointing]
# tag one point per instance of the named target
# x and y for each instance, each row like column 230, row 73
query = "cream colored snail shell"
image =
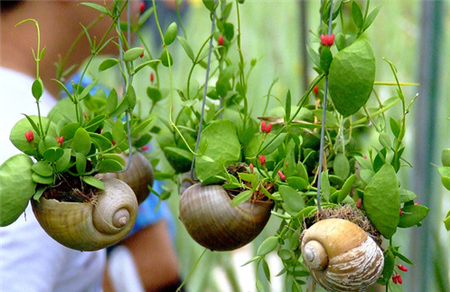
column 138, row 176
column 90, row 226
column 213, row 223
column 341, row 256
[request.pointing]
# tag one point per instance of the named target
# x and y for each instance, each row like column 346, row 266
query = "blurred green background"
column 415, row 36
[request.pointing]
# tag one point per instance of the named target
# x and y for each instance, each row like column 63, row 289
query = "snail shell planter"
column 341, row 256
column 213, row 223
column 93, row 225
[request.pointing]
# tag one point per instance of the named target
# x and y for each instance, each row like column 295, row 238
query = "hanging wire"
column 322, row 130
column 124, row 90
column 205, row 91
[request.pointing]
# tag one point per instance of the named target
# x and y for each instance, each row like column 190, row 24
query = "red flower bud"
column 145, row 148
column 316, row 90
column 402, row 268
column 142, row 55
column 220, row 40
column 262, row 159
column 152, row 77
column 416, row 204
column 399, row 279
column 142, row 7
column 394, row 279
column 331, row 40
column 268, row 128
column 60, row 140
column 29, row 135
column 251, row 167
column 359, row 203
column 282, row 176
column 263, row 126
column 401, row 212
column 112, row 142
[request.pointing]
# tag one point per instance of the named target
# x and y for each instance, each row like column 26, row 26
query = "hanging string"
column 205, row 91
column 322, row 130
column 124, row 91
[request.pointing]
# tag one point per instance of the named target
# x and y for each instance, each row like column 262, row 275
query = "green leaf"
column 341, row 166
column 447, row 221
column 371, row 17
column 351, row 77
column 178, row 158
column 325, row 186
column 68, row 131
column 109, row 165
column 97, row 7
column 108, row 63
column 267, row 246
column 130, row 98
column 297, row 183
column 292, row 200
column 166, row 58
column 357, row 15
column 395, row 127
column 444, row 171
column 288, row 106
column 406, row 196
column 95, row 123
column 242, row 197
column 37, row 89
column 412, row 215
column 187, row 48
column 111, row 102
column 119, row 134
column 388, row 269
column 100, row 141
column 326, row 57
column 132, row 54
column 171, row 33
column 154, row 94
column 53, row 153
column 384, row 140
column 143, row 127
column 17, row 135
column 45, row 180
column 315, row 58
column 92, row 181
column 445, row 157
column 382, row 201
column 209, row 4
column 42, row 168
column 81, row 141
column 80, row 163
column 64, row 161
column 221, row 143
column 16, row 187
column 346, row 188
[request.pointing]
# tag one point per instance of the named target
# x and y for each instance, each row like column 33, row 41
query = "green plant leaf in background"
column 382, row 201
column 412, row 215
column 220, row 143
column 81, row 141
column 16, row 187
column 351, row 77
column 292, row 200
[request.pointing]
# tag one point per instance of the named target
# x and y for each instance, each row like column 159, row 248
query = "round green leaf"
column 53, row 153
column 109, row 165
column 16, row 187
column 292, row 200
column 19, row 140
column 444, row 171
column 42, row 168
column 81, row 141
column 351, row 77
column 382, row 201
column 412, row 215
column 37, row 89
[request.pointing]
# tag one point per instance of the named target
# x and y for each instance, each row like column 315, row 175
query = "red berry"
column 142, row 55
column 268, row 128
column 220, row 40
column 29, row 135
column 145, row 148
column 142, row 7
column 282, row 176
column 152, row 77
column 263, row 126
column 262, row 159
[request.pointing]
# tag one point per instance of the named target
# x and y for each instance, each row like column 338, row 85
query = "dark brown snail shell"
column 213, row 223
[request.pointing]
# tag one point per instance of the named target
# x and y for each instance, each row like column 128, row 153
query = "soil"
column 259, row 195
column 70, row 188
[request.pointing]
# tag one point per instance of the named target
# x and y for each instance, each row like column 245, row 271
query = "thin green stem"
column 193, row 269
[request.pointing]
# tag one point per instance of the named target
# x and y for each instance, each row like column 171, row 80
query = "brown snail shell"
column 90, row 226
column 213, row 223
column 341, row 256
column 138, row 176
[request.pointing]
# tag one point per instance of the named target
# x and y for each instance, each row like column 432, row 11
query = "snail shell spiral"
column 213, row 223
column 341, row 256
column 90, row 226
